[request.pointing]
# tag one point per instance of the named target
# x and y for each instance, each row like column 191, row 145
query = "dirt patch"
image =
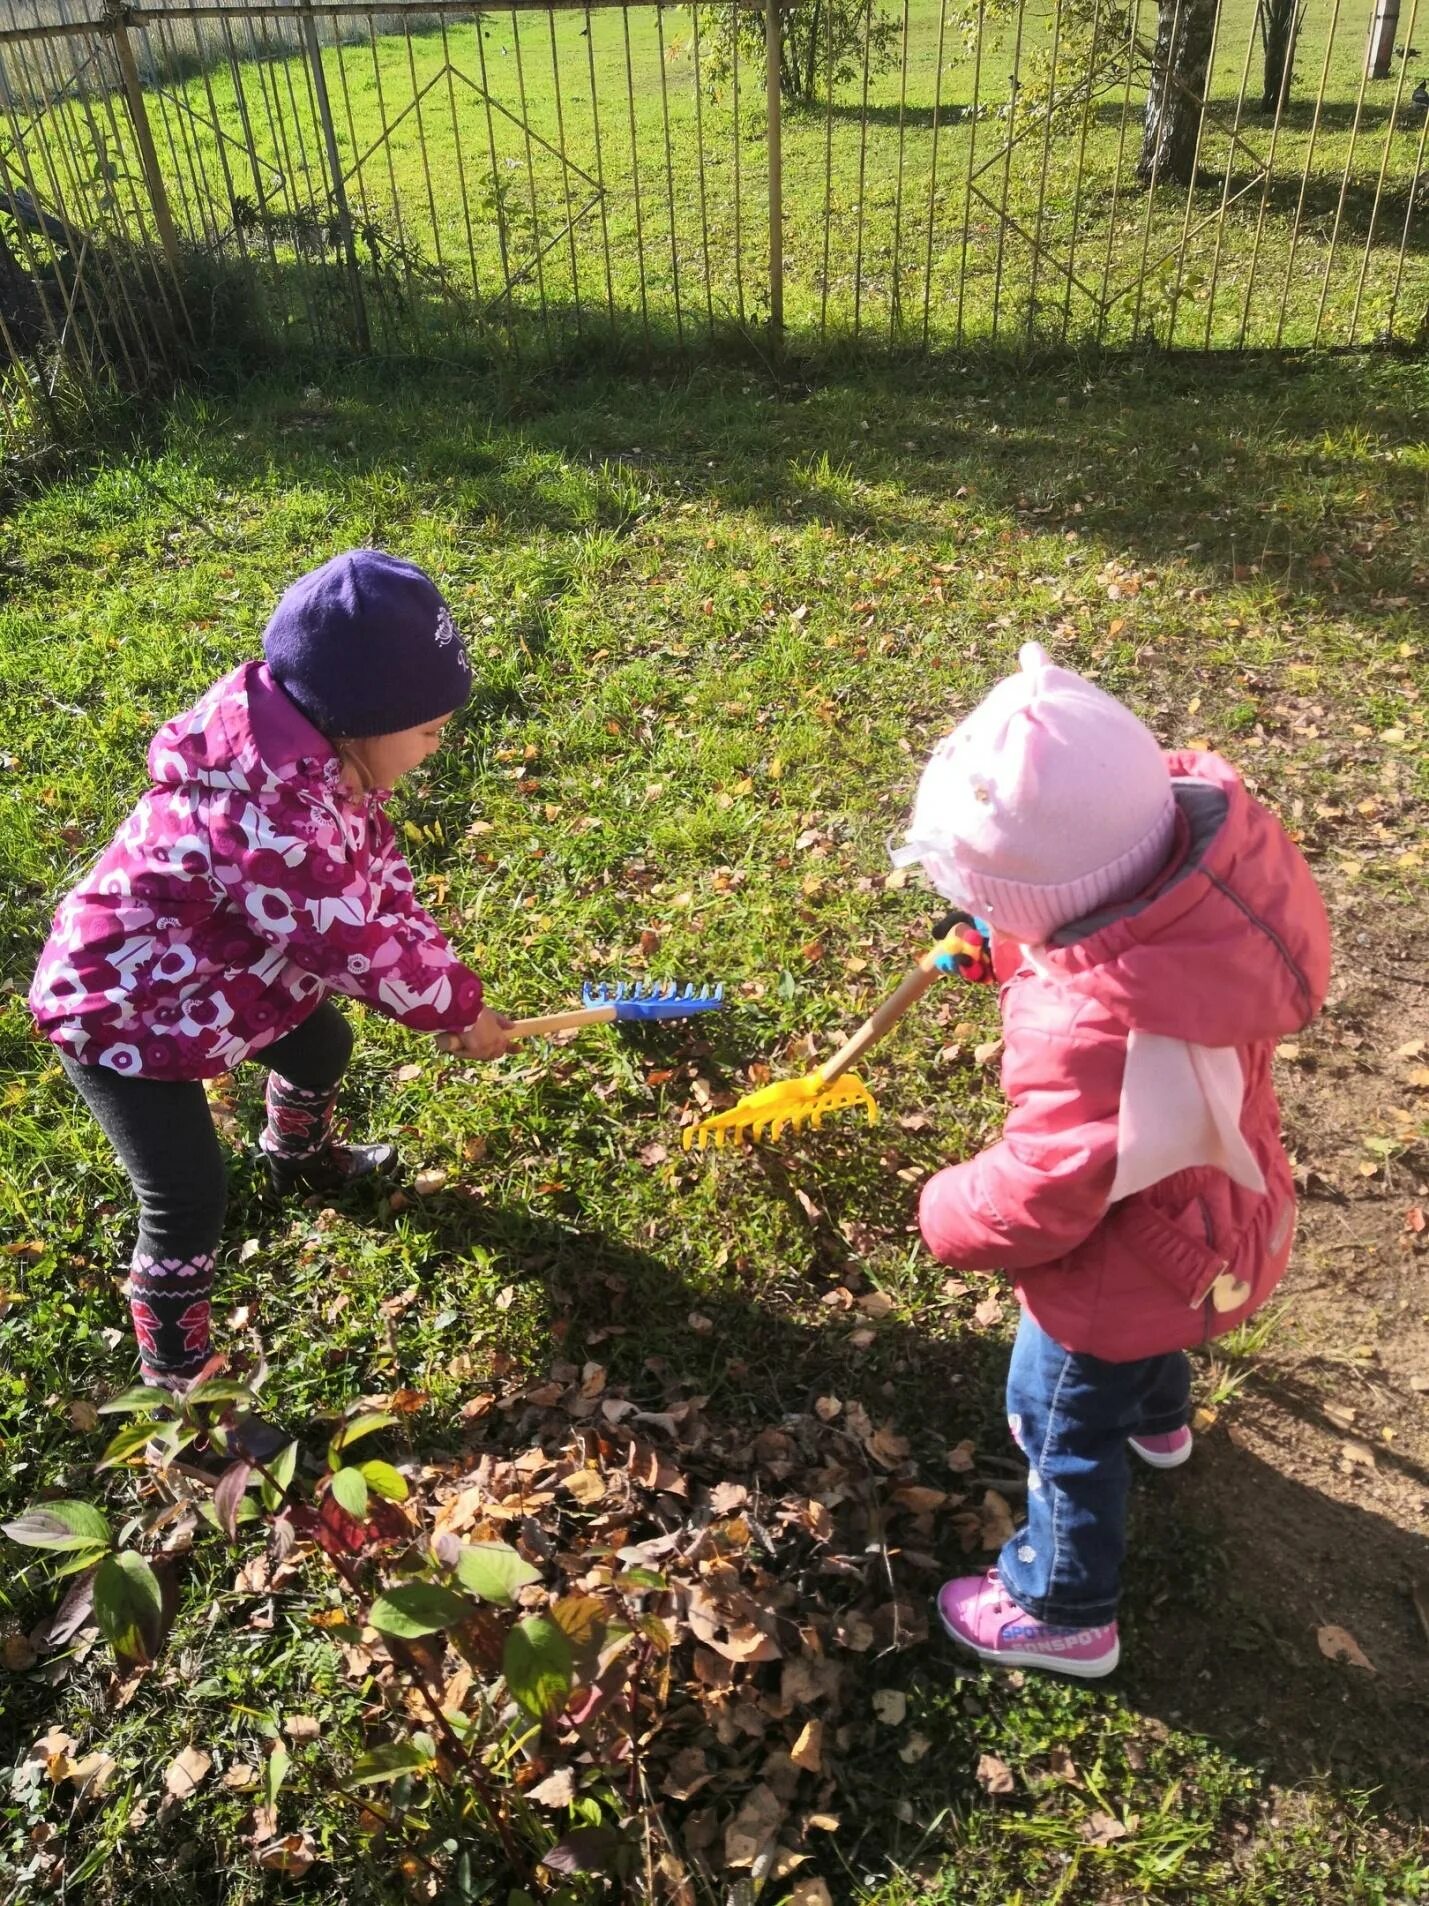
column 1312, row 1486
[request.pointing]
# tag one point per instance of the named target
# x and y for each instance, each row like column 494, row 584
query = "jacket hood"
column 244, row 735
column 1232, row 948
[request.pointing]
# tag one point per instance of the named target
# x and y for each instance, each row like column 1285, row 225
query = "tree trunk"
column 1278, row 26
column 1184, row 31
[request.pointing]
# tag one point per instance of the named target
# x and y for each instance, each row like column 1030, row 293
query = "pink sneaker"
column 1163, row 1452
column 980, row 1615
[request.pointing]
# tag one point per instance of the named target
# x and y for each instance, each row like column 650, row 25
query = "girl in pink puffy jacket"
column 258, row 875
column 1155, row 932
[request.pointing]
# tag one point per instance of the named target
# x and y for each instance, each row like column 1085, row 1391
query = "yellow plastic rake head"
column 787, row 1106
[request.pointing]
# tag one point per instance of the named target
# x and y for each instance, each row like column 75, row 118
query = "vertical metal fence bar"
column 175, row 311
column 1009, row 143
column 774, row 125
column 1340, row 205
column 24, row 243
column 1391, row 127
column 1231, row 151
column 1195, row 174
column 1079, row 173
column 700, row 155
column 669, row 172
column 338, row 190
column 357, row 173
column 148, row 157
column 565, row 169
column 1305, row 173
column 292, row 124
column 599, row 169
column 277, row 126
column 72, row 235
column 738, row 182
column 392, row 185
column 221, row 147
column 1265, row 186
column 1410, row 198
column 1133, row 18
column 1050, row 111
column 172, row 101
column 895, row 299
column 972, row 168
column 862, row 174
column 61, row 128
column 508, row 303
column 1152, row 183
column 828, row 167
column 460, row 163
column 250, row 147
column 635, row 176
column 536, row 244
column 419, row 121
column 933, row 171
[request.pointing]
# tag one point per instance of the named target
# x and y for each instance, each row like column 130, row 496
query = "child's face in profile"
column 386, row 758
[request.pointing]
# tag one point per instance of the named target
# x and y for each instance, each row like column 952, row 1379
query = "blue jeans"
column 1072, row 1414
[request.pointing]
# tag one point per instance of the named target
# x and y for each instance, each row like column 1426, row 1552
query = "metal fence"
column 1201, row 173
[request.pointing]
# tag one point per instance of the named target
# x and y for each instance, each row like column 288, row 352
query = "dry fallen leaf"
column 1102, row 1829
column 585, row 1486
column 751, row 1832
column 996, row 1519
column 293, row 1854
column 811, row 1892
column 994, row 1775
column 808, row 1751
column 914, row 1749
column 426, row 1182
column 988, row 1313
column 404, row 1075
column 92, row 1774
column 301, row 1728
column 891, row 1706
column 556, row 1790
column 83, row 1415
column 960, row 1459
column 240, row 1777
column 1338, row 1644
column 186, row 1772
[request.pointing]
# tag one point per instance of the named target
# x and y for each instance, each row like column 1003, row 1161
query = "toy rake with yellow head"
column 962, row 945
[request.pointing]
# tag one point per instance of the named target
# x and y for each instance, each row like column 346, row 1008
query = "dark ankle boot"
column 331, row 1170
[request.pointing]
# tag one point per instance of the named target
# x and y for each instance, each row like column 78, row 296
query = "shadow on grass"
column 1140, row 458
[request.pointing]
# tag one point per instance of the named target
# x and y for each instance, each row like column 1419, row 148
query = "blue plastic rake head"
column 660, row 999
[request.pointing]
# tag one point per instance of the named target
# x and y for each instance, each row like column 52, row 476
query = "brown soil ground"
column 1312, row 1485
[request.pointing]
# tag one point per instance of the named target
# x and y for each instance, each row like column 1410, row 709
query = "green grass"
column 470, row 152
column 716, row 624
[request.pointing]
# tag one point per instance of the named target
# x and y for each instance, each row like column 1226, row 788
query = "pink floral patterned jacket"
column 245, row 886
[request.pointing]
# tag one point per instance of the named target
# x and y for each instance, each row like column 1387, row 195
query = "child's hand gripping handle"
column 959, row 947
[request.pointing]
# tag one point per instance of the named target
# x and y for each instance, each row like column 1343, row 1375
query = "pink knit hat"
column 1050, row 800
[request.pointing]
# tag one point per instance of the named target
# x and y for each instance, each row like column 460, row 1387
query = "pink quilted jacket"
column 1231, row 950
column 245, row 885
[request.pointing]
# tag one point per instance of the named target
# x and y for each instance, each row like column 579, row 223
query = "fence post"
column 334, row 160
column 774, row 123
column 148, row 155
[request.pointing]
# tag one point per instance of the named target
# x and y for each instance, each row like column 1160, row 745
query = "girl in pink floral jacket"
column 258, row 875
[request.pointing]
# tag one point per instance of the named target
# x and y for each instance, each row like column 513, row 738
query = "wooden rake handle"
column 545, row 1024
column 884, row 1018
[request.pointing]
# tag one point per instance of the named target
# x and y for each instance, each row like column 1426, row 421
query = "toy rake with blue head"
column 625, row 1003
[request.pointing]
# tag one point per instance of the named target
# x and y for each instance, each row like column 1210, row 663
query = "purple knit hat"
column 366, row 646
